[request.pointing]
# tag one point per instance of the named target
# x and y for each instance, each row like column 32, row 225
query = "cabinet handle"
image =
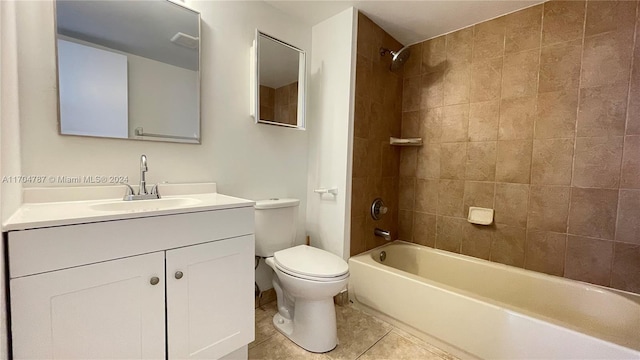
column 179, row 275
column 154, row 280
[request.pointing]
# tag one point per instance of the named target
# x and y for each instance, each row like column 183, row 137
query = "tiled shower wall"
column 378, row 113
column 535, row 114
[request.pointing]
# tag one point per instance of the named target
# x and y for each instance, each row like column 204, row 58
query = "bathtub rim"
column 367, row 260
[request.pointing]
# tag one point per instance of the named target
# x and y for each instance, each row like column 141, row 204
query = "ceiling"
column 278, row 63
column 408, row 22
column 142, row 28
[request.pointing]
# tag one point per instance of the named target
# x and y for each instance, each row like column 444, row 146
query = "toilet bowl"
column 306, row 278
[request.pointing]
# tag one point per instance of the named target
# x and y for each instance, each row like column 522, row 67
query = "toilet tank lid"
column 276, row 203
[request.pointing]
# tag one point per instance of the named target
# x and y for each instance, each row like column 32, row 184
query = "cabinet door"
column 107, row 310
column 210, row 308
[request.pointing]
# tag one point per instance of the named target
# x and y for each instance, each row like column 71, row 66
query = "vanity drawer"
column 41, row 250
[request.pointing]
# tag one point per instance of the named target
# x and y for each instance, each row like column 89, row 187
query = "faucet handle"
column 155, row 190
column 129, row 192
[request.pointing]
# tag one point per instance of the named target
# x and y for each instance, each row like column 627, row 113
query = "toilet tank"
column 276, row 221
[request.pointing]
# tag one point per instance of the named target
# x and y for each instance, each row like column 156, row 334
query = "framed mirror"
column 279, row 82
column 128, row 70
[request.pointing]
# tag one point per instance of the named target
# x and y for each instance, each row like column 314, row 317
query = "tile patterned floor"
column 361, row 336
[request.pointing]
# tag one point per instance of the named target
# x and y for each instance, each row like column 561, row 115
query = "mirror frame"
column 255, row 83
column 162, row 138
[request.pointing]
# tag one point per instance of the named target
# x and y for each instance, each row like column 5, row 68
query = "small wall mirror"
column 128, row 69
column 279, row 92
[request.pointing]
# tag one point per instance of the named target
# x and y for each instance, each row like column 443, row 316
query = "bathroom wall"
column 10, row 193
column 245, row 159
column 378, row 114
column 330, row 128
column 537, row 115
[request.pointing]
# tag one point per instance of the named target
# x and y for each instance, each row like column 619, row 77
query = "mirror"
column 128, row 69
column 279, row 93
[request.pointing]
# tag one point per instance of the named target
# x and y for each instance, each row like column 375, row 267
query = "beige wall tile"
column 457, row 83
column 597, row 162
column 411, row 93
column 426, row 196
column 407, row 194
column 359, row 157
column 478, row 194
column 428, row 166
column 455, row 122
column 476, row 240
column 514, row 161
column 606, row 59
column 609, row 15
column 364, row 76
column 508, row 245
column 433, row 55
column 379, row 122
column 483, row 121
column 414, row 62
column 593, row 212
column 424, row 229
column 432, row 93
column 520, row 74
column 390, row 192
column 625, row 274
column 486, row 80
column 633, row 113
column 563, row 21
column 451, row 198
column 628, row 224
column 408, row 162
column 602, row 111
column 460, row 45
column 453, row 158
column 359, row 197
column 366, row 36
column 545, row 252
column 523, row 29
column 431, row 125
column 549, row 208
column 588, row 260
column 556, row 115
column 357, row 235
column 449, row 233
column 374, row 158
column 488, row 39
column 511, row 204
column 560, row 67
column 390, row 159
column 551, row 162
column 517, row 116
column 631, row 163
column 481, row 161
column 405, row 225
column 410, row 124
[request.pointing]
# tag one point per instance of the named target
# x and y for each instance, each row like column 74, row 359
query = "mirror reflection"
column 281, row 82
column 129, row 69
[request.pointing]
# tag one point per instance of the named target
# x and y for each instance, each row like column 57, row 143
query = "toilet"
column 306, row 278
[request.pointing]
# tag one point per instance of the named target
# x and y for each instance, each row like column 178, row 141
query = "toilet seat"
column 310, row 263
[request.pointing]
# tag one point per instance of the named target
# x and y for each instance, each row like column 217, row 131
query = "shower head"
column 398, row 57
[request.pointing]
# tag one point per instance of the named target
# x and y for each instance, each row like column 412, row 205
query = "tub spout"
column 383, row 234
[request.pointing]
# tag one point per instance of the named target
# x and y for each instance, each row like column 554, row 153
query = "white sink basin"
column 145, row 205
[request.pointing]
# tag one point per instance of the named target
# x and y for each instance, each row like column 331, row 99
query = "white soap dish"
column 480, row 216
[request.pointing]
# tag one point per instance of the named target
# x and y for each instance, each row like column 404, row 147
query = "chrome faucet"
column 143, row 194
column 142, row 190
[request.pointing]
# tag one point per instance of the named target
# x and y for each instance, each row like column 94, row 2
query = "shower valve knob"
column 378, row 208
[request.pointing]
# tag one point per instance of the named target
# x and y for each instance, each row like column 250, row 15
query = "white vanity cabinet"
column 176, row 286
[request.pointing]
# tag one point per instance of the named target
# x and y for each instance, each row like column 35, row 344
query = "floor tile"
column 264, row 323
column 357, row 332
column 394, row 346
column 279, row 347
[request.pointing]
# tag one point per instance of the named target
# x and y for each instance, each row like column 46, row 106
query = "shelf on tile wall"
column 405, row 141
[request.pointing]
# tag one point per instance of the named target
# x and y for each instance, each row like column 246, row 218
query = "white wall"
column 10, row 194
column 245, row 159
column 330, row 129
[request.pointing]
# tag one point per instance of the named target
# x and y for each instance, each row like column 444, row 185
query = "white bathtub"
column 493, row 311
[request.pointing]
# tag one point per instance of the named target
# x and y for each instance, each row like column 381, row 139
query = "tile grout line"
column 375, row 343
column 575, row 137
